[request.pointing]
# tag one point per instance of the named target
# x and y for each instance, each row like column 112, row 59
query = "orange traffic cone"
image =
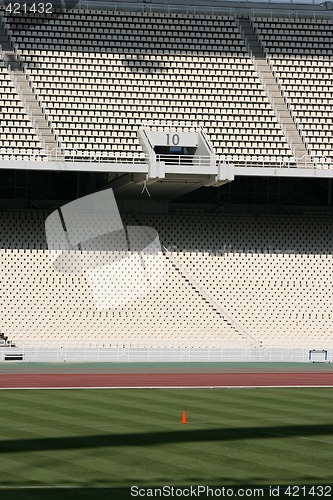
column 184, row 421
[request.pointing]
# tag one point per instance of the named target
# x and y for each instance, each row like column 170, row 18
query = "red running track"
column 135, row 380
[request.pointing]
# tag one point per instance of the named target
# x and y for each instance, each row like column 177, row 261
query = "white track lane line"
column 172, row 387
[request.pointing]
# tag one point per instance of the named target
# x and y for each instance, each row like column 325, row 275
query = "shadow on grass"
column 183, row 435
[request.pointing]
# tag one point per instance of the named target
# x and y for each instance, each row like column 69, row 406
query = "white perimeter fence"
column 65, row 354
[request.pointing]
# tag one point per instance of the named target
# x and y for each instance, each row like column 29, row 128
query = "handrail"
column 305, row 161
column 291, row 13
column 122, row 344
column 255, row 161
column 151, row 7
column 184, row 160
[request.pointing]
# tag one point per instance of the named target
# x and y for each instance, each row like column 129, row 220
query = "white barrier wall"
column 13, row 355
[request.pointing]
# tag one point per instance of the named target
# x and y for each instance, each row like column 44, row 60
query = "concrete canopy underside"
column 178, row 179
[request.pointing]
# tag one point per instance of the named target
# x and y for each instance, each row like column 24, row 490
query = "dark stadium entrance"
column 172, row 155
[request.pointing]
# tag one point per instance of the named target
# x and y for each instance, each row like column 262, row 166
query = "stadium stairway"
column 287, row 122
column 240, row 332
column 29, row 100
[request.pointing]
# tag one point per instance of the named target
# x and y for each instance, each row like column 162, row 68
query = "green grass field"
column 99, row 443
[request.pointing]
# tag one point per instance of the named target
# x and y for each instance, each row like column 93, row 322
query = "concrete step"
column 270, row 79
column 33, row 107
column 275, row 93
column 283, row 114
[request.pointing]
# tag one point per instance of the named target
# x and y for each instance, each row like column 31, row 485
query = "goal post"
column 318, row 356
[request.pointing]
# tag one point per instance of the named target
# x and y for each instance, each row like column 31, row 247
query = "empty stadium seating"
column 250, row 282
column 299, row 51
column 230, row 282
column 154, row 68
column 99, row 75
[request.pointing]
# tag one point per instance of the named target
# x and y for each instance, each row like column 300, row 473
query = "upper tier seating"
column 100, row 75
column 300, row 52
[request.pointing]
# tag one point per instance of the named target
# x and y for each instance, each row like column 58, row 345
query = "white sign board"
column 172, row 138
